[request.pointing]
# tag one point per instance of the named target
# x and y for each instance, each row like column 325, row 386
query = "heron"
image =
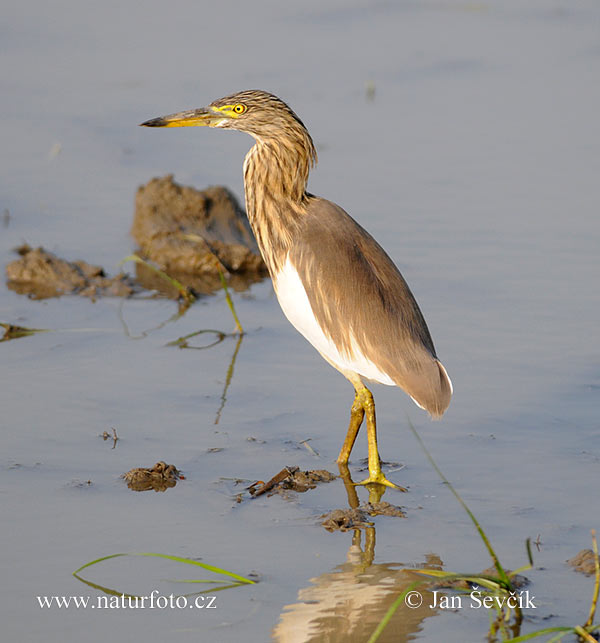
column 334, row 282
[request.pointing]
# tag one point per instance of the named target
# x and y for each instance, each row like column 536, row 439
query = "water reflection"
column 206, row 283
column 228, row 378
column 348, row 603
column 144, row 333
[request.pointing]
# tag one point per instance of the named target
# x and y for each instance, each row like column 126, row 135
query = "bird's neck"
column 275, row 178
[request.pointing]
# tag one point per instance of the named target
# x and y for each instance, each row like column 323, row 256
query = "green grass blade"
column 584, row 634
column 484, row 581
column 189, row 561
column 562, row 632
column 184, row 293
column 215, row 586
column 218, row 264
column 238, row 325
column 192, row 580
column 501, row 573
column 179, row 559
column 550, row 630
column 594, row 603
column 529, row 554
column 98, row 560
column 388, row 615
column 102, row 588
column 524, row 568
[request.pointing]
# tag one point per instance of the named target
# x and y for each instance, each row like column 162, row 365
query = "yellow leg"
column 364, row 404
column 357, row 413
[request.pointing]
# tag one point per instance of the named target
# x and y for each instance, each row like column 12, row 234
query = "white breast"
column 296, row 307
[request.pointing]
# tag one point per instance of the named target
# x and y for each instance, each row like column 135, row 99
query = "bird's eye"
column 239, row 108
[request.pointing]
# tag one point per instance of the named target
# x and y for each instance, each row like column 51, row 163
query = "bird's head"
column 256, row 112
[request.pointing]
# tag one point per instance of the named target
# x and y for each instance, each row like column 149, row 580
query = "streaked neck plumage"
column 275, row 177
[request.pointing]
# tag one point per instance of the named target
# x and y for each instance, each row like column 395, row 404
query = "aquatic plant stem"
column 218, row 264
column 184, row 292
column 501, row 573
column 388, row 615
column 594, row 604
column 238, row 326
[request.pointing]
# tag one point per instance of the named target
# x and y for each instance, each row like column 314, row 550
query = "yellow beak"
column 203, row 117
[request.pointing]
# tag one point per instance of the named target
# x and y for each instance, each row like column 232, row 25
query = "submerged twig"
column 305, row 443
column 114, row 437
column 286, row 472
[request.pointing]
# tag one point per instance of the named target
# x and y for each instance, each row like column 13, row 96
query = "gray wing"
column 353, row 285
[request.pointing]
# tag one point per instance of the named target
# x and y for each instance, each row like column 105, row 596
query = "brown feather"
column 355, row 289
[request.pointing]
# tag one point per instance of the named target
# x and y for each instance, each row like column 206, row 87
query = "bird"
column 334, row 282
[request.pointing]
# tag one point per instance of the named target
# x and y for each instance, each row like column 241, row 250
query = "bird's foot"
column 378, row 477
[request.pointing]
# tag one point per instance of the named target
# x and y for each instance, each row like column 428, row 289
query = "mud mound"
column 160, row 477
column 41, row 274
column 189, row 233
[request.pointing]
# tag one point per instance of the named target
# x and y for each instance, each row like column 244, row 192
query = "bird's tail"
column 434, row 392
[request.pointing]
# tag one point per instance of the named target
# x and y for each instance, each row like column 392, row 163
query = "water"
column 475, row 165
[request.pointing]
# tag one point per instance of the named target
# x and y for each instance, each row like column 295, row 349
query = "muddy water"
column 475, row 164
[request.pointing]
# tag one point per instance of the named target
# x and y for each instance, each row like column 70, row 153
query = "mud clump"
column 160, row 477
column 345, row 519
column 195, row 237
column 41, row 274
column 584, row 562
column 302, row 481
column 358, row 518
column 383, row 509
column 291, row 479
column 192, row 234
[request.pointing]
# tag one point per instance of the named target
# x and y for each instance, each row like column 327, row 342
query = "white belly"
column 296, row 307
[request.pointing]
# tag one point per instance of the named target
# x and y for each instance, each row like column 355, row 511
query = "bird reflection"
column 348, row 603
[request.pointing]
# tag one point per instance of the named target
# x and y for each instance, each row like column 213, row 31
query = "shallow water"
column 476, row 165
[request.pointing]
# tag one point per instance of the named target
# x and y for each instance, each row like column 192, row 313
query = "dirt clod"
column 358, row 518
column 292, row 479
column 345, row 519
column 584, row 562
column 160, row 477
column 41, row 274
column 192, row 234
column 302, row 481
column 383, row 509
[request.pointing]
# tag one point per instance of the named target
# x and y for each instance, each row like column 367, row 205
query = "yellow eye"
column 239, row 108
